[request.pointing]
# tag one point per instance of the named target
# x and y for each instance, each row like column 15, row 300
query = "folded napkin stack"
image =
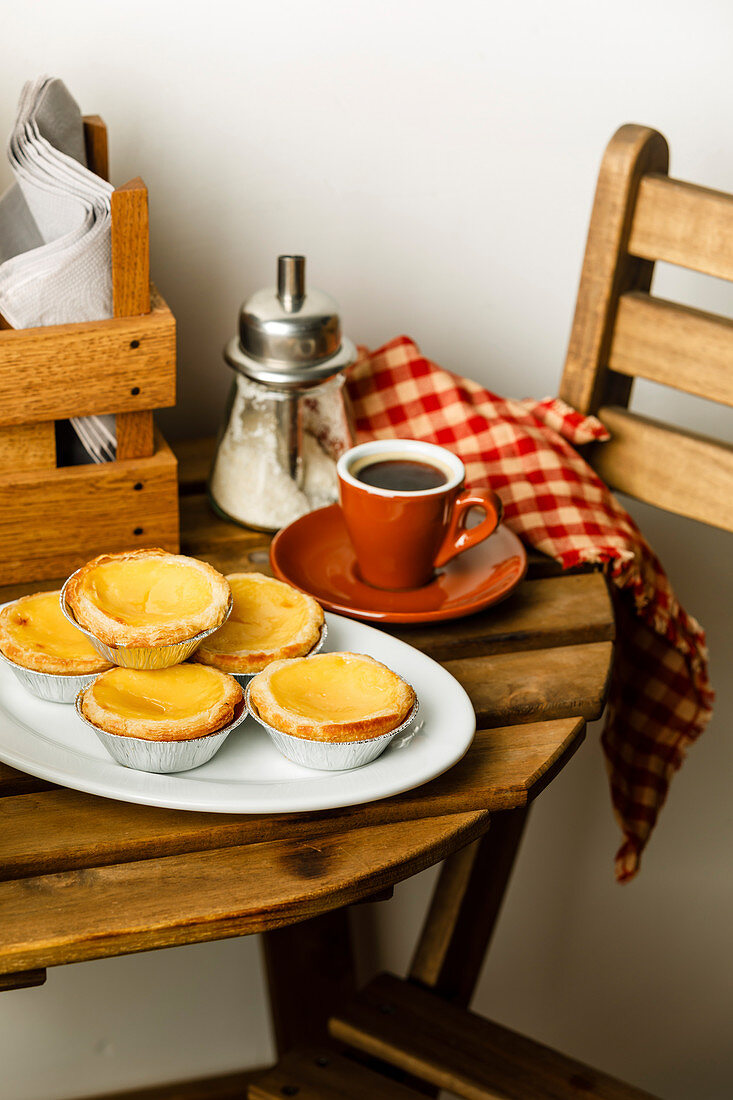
column 55, row 220
column 660, row 697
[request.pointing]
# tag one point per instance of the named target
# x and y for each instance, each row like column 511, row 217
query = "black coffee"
column 402, row 475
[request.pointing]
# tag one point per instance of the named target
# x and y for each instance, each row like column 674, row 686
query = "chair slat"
column 225, row 1086
column 676, row 345
column 424, row 1035
column 683, row 472
column 318, row 1073
column 681, row 223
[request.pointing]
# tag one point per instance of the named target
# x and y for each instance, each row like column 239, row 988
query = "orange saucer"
column 314, row 553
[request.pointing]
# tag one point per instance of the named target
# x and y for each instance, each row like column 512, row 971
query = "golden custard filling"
column 40, row 625
column 264, row 616
column 335, row 689
column 133, row 592
column 171, row 694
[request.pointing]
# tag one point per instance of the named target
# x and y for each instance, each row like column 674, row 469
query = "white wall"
column 436, row 163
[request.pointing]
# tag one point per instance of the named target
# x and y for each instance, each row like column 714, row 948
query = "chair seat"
column 409, row 1027
column 318, row 1073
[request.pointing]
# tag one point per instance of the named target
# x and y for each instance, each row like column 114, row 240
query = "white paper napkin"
column 55, row 230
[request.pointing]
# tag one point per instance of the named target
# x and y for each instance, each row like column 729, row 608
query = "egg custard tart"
column 332, row 697
column 35, row 634
column 168, row 704
column 147, row 597
column 270, row 620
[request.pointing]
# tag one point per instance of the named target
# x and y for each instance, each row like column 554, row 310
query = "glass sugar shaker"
column 287, row 420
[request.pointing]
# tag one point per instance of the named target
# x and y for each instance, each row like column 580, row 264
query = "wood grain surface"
column 56, row 518
column 28, row 447
column 61, row 830
column 225, row 1086
column 131, row 297
column 22, row 979
column 536, row 684
column 609, row 270
column 464, row 909
column 130, row 249
column 14, row 782
column 683, row 472
column 199, row 896
column 58, row 371
column 321, row 1073
column 682, row 223
column 673, row 344
column 620, row 332
column 95, row 143
column 122, row 505
column 85, row 877
column 543, row 613
column 316, row 958
column 424, row 1035
column 135, row 433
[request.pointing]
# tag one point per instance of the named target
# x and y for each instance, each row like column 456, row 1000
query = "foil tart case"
column 336, row 756
column 148, row 657
column 53, row 687
column 162, row 756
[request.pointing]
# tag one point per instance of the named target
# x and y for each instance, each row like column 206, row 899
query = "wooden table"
column 83, row 877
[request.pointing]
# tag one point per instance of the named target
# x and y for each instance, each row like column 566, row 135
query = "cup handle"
column 459, row 538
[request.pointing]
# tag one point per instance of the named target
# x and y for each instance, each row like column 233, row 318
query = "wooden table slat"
column 204, row 533
column 95, row 913
column 22, row 979
column 63, row 830
column 194, row 460
column 553, row 611
column 534, row 685
column 14, row 782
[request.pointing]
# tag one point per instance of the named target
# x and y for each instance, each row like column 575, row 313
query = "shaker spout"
column 291, row 282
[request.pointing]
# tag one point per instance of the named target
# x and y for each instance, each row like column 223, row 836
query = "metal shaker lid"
column 289, row 337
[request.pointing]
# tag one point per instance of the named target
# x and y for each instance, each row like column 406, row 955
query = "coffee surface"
column 402, row 475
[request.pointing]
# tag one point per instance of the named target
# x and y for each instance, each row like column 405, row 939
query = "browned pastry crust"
column 28, row 656
column 384, row 716
column 248, row 660
column 112, row 630
column 215, row 716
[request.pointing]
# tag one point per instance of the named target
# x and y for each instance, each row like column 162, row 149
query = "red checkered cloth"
column 660, row 697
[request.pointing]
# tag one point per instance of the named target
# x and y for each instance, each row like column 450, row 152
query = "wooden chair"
column 420, row 1025
column 621, row 332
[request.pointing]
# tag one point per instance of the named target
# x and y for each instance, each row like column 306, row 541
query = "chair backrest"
column 620, row 332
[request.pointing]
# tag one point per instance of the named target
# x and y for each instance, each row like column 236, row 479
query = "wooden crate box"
column 54, row 518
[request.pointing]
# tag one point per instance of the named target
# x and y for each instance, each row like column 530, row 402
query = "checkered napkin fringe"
column 660, row 697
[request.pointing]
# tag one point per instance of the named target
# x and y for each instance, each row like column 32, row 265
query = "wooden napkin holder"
column 54, row 518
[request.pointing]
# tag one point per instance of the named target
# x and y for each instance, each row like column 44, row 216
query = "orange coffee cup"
column 401, row 535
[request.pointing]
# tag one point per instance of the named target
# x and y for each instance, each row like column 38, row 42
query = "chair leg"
column 464, row 910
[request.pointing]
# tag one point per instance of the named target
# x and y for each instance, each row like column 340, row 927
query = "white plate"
column 248, row 775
